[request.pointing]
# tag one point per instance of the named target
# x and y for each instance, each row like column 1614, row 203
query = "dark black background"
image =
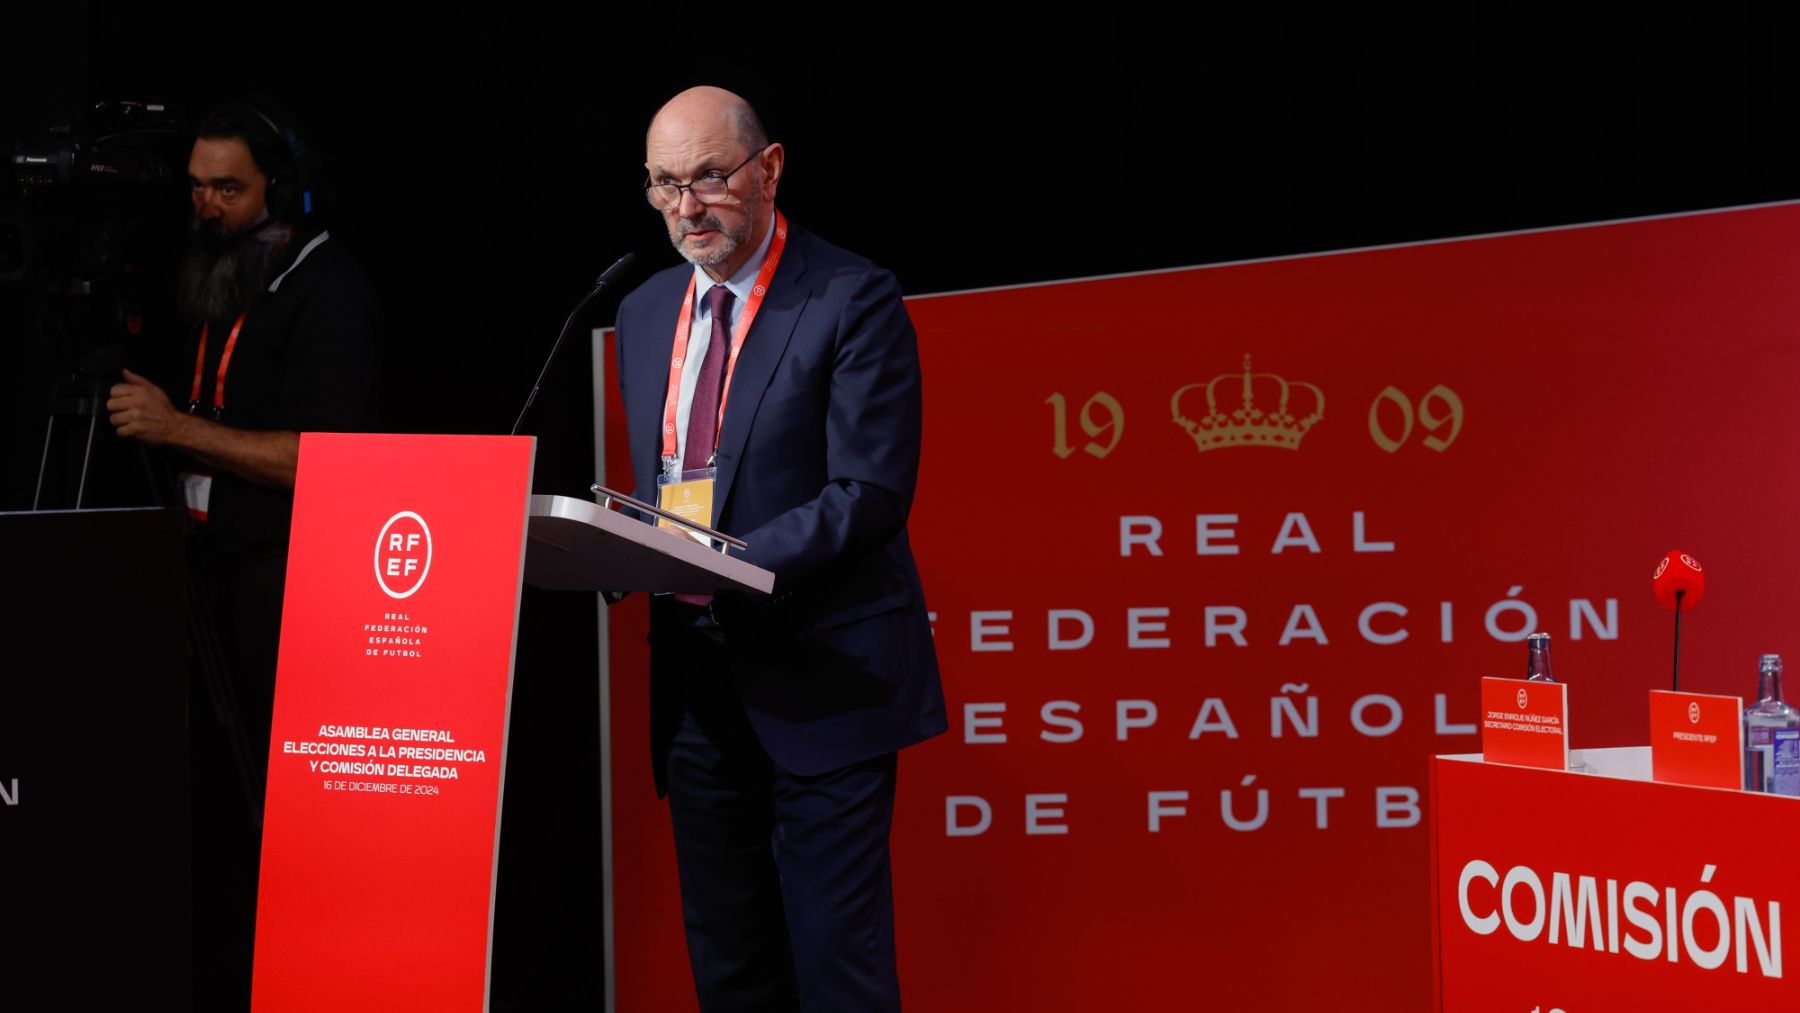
column 486, row 160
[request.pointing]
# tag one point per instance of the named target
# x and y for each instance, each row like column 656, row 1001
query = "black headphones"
column 293, row 189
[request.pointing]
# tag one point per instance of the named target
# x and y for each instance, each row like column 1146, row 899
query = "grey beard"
column 721, row 252
column 220, row 285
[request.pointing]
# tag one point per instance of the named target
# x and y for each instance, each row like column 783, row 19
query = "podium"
column 1606, row 890
column 576, row 545
column 388, row 747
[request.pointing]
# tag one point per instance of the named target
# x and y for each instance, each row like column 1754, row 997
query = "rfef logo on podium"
column 403, row 554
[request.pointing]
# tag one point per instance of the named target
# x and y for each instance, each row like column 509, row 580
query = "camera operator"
column 284, row 334
column 285, row 329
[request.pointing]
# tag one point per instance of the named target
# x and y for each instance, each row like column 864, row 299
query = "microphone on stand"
column 606, row 278
column 1678, row 582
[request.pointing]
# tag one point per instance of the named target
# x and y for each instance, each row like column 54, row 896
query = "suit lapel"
column 763, row 349
column 649, row 379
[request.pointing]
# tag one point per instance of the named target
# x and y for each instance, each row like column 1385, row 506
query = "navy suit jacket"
column 817, row 459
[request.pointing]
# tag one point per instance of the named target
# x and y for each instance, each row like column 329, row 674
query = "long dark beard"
column 223, row 277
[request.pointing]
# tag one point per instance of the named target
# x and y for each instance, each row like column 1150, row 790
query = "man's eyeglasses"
column 708, row 189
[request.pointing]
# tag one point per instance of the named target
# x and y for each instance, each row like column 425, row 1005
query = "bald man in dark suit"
column 776, row 723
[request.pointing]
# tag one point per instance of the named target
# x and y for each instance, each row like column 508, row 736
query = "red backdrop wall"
column 1218, row 796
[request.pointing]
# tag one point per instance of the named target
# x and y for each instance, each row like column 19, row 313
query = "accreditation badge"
column 196, row 491
column 689, row 496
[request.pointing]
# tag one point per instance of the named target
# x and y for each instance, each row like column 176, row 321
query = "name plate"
column 1525, row 723
column 1697, row 738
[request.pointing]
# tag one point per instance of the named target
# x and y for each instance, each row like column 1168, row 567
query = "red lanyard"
column 685, row 322
column 224, row 366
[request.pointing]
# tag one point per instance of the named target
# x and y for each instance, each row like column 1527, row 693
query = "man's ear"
column 772, row 159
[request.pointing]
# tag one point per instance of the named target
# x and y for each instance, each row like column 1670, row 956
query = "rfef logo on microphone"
column 403, row 554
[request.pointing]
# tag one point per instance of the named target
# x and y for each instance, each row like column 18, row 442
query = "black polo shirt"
column 305, row 361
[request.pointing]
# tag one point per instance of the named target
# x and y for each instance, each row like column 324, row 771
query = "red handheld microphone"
column 1678, row 583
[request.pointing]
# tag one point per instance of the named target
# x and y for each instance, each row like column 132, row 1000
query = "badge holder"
column 696, row 530
column 686, row 498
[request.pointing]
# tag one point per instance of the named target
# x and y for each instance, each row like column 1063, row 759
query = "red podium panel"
column 388, row 750
column 1555, row 890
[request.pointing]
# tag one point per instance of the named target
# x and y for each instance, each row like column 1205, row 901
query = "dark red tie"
column 703, row 412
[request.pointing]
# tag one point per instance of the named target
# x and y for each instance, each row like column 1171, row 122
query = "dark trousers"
column 785, row 881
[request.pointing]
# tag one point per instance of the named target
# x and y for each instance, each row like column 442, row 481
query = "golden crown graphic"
column 1249, row 426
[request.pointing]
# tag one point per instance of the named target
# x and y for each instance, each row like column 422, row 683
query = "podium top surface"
column 578, row 545
column 1627, row 763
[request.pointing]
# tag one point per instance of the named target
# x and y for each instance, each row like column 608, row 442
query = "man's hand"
column 141, row 411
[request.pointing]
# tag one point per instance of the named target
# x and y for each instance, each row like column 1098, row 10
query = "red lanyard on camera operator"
column 224, row 366
column 685, row 322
